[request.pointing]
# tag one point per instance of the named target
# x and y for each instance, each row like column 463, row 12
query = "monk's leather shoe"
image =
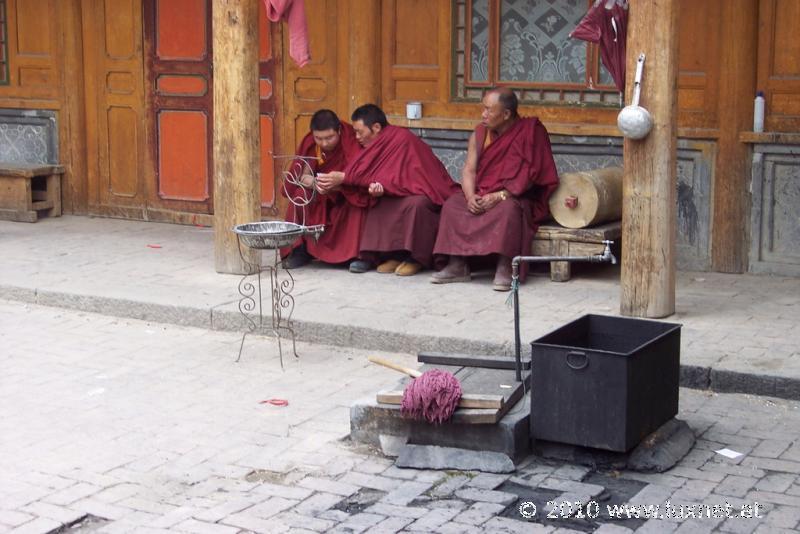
column 389, row 266
column 360, row 266
column 501, row 282
column 408, row 268
column 296, row 258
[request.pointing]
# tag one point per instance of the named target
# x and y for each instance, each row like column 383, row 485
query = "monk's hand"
column 474, row 204
column 307, row 181
column 376, row 189
column 491, row 200
column 327, row 182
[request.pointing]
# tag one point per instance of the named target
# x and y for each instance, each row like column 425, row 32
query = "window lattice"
column 525, row 44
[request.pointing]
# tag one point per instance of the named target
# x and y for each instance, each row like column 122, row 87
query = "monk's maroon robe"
column 415, row 184
column 519, row 161
column 342, row 212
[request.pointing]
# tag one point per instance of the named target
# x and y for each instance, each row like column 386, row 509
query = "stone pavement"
column 138, row 426
column 740, row 332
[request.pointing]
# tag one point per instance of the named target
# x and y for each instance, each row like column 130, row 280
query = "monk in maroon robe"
column 408, row 184
column 507, row 180
column 327, row 147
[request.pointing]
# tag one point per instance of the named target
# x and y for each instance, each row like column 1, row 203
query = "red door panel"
column 178, row 37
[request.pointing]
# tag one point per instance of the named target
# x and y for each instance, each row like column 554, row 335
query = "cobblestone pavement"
column 149, row 427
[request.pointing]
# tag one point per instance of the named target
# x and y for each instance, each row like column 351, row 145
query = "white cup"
column 414, row 110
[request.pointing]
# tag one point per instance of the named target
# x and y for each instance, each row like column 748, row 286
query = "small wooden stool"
column 555, row 240
column 28, row 188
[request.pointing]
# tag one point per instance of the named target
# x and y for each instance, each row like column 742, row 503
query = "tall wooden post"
column 237, row 185
column 650, row 173
column 737, row 88
column 365, row 52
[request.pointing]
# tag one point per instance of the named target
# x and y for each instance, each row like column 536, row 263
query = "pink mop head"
column 433, row 396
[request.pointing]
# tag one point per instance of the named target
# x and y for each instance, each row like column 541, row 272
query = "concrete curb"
column 692, row 376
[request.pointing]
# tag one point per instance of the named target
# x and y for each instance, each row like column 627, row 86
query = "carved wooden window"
column 525, row 44
column 3, row 44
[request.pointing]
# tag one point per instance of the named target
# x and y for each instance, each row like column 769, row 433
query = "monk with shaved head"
column 507, row 179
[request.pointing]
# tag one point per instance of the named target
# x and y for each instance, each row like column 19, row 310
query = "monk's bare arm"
column 468, row 176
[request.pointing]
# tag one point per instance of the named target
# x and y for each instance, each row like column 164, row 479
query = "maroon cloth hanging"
column 607, row 26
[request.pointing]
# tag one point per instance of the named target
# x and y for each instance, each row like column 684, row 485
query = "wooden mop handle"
column 395, row 366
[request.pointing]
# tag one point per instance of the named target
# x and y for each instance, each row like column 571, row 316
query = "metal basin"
column 273, row 234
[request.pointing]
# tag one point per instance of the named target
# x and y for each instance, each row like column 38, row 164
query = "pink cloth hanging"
column 294, row 13
column 606, row 23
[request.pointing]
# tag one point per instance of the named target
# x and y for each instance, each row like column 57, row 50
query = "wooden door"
column 317, row 85
column 178, row 54
column 267, row 115
column 115, row 111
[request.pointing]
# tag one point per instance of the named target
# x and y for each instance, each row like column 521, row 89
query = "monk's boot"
column 502, row 275
column 457, row 270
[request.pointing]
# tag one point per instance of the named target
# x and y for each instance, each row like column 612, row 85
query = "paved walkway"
column 740, row 332
column 149, row 427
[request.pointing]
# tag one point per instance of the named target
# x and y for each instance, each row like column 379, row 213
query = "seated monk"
column 507, row 179
column 408, row 184
column 331, row 144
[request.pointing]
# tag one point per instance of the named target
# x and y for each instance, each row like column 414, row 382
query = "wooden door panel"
column 266, row 111
column 178, row 37
column 123, row 166
column 115, row 105
column 183, row 149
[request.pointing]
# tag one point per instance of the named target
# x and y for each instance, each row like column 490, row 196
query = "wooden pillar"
column 650, row 173
column 237, row 185
column 365, row 53
column 72, row 124
column 738, row 66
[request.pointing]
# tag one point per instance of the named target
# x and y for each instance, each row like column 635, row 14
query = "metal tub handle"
column 578, row 354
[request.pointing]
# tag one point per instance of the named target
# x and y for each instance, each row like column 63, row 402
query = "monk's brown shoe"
column 408, row 268
column 389, row 266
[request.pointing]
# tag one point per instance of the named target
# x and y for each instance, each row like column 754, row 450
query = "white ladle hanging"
column 634, row 121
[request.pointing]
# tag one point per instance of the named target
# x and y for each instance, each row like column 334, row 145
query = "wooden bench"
column 555, row 240
column 28, row 189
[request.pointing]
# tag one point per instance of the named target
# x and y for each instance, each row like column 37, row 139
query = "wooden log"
column 587, row 198
column 237, row 184
column 650, row 172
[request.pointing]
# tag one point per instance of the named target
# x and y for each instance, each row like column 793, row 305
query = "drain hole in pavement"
column 617, row 491
column 359, row 501
column 87, row 523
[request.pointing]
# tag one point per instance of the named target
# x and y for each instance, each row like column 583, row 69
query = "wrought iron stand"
column 273, row 235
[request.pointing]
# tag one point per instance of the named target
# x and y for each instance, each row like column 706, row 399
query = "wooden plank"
column 650, row 180
column 18, row 216
column 29, row 170
column 492, row 382
column 597, row 234
column 468, row 400
column 237, row 158
column 471, row 360
column 42, row 205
